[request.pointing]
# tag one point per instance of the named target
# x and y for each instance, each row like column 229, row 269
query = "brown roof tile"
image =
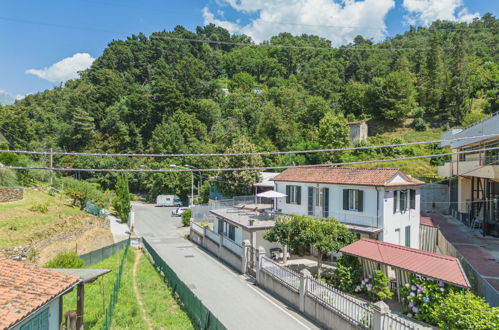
column 24, row 288
column 426, row 221
column 428, row 264
column 346, row 175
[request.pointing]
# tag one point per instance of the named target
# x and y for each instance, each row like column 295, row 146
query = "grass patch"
column 159, row 303
column 21, row 221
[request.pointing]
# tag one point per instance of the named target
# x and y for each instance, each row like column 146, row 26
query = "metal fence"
column 108, row 316
column 394, row 322
column 285, row 275
column 95, row 210
column 197, row 311
column 96, row 256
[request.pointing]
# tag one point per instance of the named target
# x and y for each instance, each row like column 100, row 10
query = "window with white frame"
column 293, row 194
column 353, row 200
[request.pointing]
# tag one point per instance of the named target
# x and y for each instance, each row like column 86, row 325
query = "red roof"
column 347, row 175
column 25, row 288
column 437, row 266
column 426, row 221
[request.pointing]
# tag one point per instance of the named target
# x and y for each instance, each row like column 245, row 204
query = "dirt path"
column 138, row 255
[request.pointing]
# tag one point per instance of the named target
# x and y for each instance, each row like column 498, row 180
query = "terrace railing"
column 232, row 246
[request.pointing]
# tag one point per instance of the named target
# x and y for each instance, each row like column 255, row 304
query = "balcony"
column 484, row 167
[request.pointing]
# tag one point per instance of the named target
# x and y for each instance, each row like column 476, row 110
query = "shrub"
column 465, row 311
column 8, row 178
column 40, row 207
column 419, row 124
column 82, row 192
column 420, row 297
column 186, row 217
column 376, row 287
column 65, row 260
column 348, row 273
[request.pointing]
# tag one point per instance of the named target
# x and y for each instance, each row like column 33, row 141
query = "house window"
column 408, row 236
column 310, row 200
column 220, row 226
column 325, row 202
column 293, row 195
column 412, row 197
column 403, row 200
column 353, row 200
column 232, row 232
column 395, row 201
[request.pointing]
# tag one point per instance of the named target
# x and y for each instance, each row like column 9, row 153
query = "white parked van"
column 168, row 200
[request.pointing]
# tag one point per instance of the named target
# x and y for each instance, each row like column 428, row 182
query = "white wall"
column 368, row 216
column 399, row 220
column 53, row 315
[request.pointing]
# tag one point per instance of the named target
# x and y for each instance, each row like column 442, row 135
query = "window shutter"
column 326, row 202
column 345, row 199
column 412, row 194
column 395, row 201
column 360, row 207
column 310, row 200
column 298, row 195
column 288, row 194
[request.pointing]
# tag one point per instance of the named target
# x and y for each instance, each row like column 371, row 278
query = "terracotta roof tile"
column 428, row 264
column 346, row 175
column 426, row 221
column 24, row 288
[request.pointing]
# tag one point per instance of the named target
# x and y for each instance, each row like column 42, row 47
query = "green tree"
column 243, row 81
column 121, row 201
column 333, row 132
column 239, row 182
column 434, row 83
column 458, row 92
column 353, row 99
column 284, row 233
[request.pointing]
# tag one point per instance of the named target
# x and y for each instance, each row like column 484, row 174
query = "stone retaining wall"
column 11, row 194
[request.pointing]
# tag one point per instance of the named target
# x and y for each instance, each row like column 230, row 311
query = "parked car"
column 178, row 211
column 168, row 200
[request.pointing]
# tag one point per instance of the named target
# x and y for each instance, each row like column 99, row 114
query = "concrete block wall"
column 11, row 194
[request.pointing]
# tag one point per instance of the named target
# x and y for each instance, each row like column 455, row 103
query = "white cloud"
column 339, row 22
column 426, row 11
column 65, row 69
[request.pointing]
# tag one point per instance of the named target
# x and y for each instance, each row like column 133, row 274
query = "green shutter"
column 325, row 207
column 408, row 236
column 288, row 193
column 298, row 195
column 395, row 201
column 412, row 194
column 345, row 199
column 360, row 207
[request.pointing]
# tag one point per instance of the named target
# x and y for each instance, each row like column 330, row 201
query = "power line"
column 255, row 168
column 261, row 153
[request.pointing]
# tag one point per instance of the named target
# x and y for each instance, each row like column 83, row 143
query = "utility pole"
column 51, row 165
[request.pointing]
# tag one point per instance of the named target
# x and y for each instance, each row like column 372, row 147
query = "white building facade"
column 383, row 204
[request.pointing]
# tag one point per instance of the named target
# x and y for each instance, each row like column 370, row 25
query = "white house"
column 379, row 203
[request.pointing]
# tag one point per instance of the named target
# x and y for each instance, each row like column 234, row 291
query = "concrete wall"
column 275, row 287
column 10, row 194
column 435, row 193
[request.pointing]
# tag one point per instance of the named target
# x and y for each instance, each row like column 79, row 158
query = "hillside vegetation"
column 164, row 95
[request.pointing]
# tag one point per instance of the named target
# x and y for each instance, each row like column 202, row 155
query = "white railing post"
column 260, row 254
column 379, row 310
column 304, row 276
column 244, row 256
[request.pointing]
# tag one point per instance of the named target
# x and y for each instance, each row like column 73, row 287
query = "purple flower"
column 415, row 309
column 413, row 294
column 442, row 284
column 426, row 299
column 411, row 305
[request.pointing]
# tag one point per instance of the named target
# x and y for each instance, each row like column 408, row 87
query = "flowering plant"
column 419, row 297
column 375, row 286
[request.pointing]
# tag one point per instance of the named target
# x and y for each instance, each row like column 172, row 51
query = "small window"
column 232, row 232
column 395, row 201
column 220, row 226
column 293, row 195
column 403, row 200
column 353, row 200
column 412, row 196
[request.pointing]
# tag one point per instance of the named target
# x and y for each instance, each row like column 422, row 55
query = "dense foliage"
column 348, row 273
column 376, row 286
column 121, row 200
column 66, row 260
column 82, row 192
column 186, row 217
column 158, row 94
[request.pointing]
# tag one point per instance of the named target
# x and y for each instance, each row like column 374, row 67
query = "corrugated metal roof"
column 433, row 265
column 347, row 175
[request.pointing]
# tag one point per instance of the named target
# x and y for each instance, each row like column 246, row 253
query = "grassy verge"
column 159, row 304
column 19, row 224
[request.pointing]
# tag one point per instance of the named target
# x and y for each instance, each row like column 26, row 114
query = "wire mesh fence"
column 108, row 316
column 201, row 317
column 96, row 256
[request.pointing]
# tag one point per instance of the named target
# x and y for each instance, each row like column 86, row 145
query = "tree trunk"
column 285, row 254
column 319, row 263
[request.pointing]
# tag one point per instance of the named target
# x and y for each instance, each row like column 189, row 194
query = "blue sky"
column 36, row 35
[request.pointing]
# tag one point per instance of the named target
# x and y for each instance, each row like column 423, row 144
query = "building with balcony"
column 379, row 203
column 474, row 175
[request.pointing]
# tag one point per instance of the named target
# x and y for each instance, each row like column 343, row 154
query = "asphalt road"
column 230, row 296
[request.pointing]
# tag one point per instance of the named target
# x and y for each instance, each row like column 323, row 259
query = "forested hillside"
column 165, row 95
